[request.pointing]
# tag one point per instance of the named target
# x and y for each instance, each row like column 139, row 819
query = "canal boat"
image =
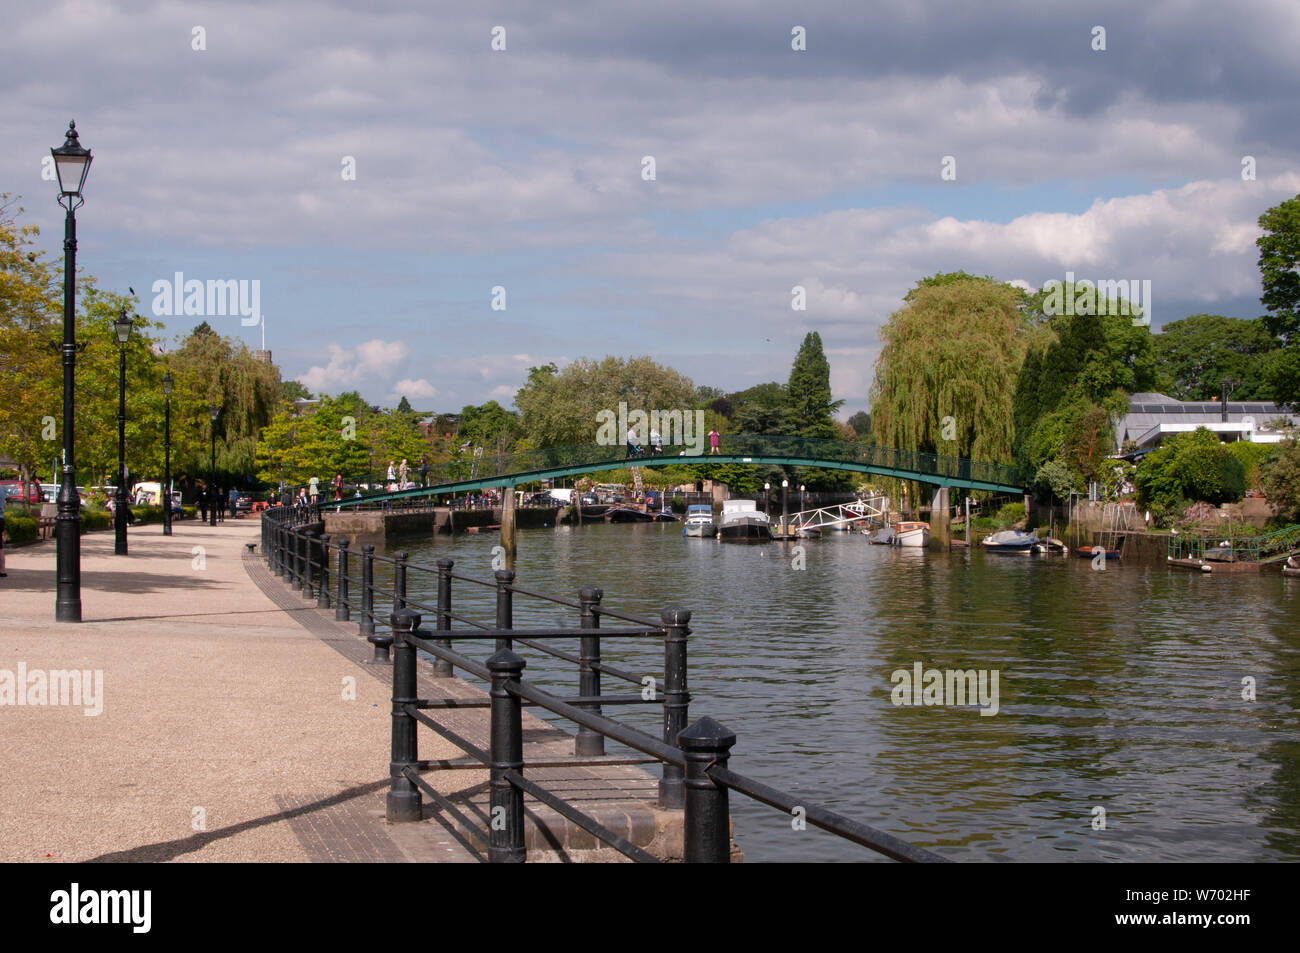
column 743, row 523
column 699, row 521
column 913, row 533
column 1011, row 541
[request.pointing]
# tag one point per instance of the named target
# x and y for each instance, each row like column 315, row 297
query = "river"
column 1121, row 732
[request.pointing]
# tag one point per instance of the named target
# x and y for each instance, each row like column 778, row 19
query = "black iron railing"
column 694, row 757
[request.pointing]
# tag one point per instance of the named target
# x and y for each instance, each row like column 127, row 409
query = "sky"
column 637, row 179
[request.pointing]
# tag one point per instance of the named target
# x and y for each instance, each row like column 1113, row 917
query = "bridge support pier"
column 509, row 540
column 940, row 518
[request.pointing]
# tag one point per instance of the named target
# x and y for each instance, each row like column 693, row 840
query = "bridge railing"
column 694, row 758
column 810, row 449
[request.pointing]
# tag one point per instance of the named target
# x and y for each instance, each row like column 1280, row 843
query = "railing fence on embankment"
column 696, row 776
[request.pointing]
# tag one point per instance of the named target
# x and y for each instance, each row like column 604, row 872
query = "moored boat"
column 743, row 523
column 912, row 533
column 1090, row 552
column 882, row 537
column 1011, row 541
column 699, row 521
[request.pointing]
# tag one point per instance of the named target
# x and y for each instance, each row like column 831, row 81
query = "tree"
column 861, row 424
column 404, row 406
column 945, row 377
column 1281, row 479
column 809, row 409
column 1190, row 467
column 1279, row 266
column 1194, row 355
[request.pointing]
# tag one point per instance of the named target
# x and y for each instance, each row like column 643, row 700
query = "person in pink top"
column 713, row 443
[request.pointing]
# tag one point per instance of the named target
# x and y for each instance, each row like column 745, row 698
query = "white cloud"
column 356, row 368
column 409, row 388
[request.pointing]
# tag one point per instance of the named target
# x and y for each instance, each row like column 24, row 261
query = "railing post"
column 323, row 589
column 707, row 821
column 403, row 802
column 281, row 549
column 308, row 590
column 399, row 580
column 505, row 753
column 505, row 606
column 588, row 741
column 297, row 558
column 367, row 624
column 676, row 698
column 342, row 611
column 441, row 667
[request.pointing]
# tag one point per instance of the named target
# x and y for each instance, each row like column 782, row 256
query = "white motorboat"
column 743, row 523
column 699, row 521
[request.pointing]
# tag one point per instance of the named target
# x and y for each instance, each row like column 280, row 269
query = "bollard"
column 506, row 752
column 505, row 606
column 367, row 624
column 308, row 588
column 323, row 586
column 342, row 611
column 441, row 667
column 399, row 580
column 403, row 802
column 707, row 821
column 588, row 741
column 676, row 698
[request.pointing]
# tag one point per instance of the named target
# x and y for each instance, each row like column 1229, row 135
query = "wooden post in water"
column 508, row 528
column 968, row 541
column 940, row 519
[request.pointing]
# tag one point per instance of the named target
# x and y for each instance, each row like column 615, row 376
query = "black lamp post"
column 72, row 163
column 167, row 455
column 122, row 327
column 212, row 470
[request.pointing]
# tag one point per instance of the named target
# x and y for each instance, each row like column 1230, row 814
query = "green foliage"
column 1251, row 455
column 1279, row 266
column 95, row 519
column 1193, row 467
column 861, row 424
column 1055, row 479
column 1280, row 475
column 1194, row 355
column 21, row 529
column 945, row 377
column 1011, row 513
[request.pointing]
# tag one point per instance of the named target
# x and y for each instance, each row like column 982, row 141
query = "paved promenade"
column 236, row 721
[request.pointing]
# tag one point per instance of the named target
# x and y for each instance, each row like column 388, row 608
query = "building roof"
column 1149, row 412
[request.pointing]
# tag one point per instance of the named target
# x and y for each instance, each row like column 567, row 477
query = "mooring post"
column 707, row 821
column 323, row 587
column 508, row 528
column 403, row 802
column 589, row 742
column 940, row 519
column 676, row 698
column 506, row 753
column 367, row 622
column 441, row 667
column 342, row 611
column 505, row 605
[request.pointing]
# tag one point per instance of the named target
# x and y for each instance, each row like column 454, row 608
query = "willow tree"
column 946, row 375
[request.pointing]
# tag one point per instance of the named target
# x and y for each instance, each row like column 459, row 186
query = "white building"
column 1151, row 417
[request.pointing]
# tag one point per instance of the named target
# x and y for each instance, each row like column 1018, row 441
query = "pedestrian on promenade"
column 338, row 486
column 314, row 489
column 403, row 472
column 203, row 503
column 233, row 499
column 713, row 443
column 220, row 503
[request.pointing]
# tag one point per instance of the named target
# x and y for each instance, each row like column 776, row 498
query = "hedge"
column 21, row 529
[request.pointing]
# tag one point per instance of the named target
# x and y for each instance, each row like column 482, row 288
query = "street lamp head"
column 785, row 484
column 212, row 412
column 167, row 383
column 123, row 328
column 767, row 486
column 71, row 163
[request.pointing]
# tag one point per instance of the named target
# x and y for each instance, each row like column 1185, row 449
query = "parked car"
column 243, row 502
column 589, row 499
column 13, row 491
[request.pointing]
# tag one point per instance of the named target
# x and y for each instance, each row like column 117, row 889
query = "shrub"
column 1251, row 455
column 1011, row 513
column 21, row 529
column 1280, row 476
column 1193, row 466
column 982, row 522
column 95, row 519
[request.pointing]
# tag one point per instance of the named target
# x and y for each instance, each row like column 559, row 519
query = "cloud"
column 409, row 388
column 358, row 367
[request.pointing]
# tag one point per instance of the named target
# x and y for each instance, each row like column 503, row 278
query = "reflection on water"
column 1119, row 689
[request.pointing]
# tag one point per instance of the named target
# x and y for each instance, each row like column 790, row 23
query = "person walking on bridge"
column 338, row 486
column 403, row 472
column 713, row 443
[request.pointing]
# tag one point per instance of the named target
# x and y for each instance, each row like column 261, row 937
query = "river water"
column 1121, row 732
